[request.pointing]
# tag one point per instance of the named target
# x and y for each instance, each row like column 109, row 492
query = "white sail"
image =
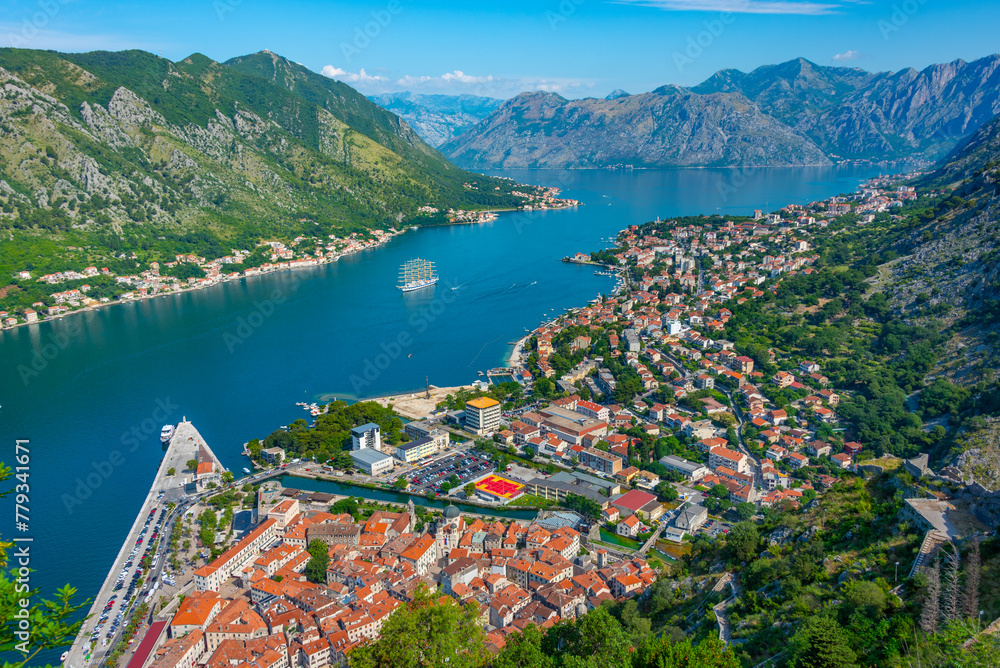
column 416, row 274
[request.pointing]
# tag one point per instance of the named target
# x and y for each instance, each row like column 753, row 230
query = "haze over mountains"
column 438, row 118
column 793, row 113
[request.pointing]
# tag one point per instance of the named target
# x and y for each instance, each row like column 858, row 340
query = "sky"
column 577, row 48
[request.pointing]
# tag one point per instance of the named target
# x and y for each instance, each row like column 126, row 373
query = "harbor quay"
column 173, row 488
column 259, row 599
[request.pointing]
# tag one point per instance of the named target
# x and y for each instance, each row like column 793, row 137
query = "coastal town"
column 637, row 430
column 71, row 290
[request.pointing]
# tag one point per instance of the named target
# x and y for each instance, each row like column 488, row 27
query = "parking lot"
column 119, row 601
column 466, row 466
column 715, row 528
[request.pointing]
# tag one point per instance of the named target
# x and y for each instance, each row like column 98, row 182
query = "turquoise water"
column 615, row 539
column 330, row 487
column 90, row 392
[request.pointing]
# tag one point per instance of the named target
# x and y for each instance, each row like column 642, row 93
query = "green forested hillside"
column 111, row 154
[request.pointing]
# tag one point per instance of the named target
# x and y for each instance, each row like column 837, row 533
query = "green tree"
column 594, row 640
column 821, row 643
column 227, row 477
column 454, row 480
column 719, row 491
column 667, row 491
column 865, row 597
column 209, row 523
column 254, row 448
column 524, row 650
column 401, row 482
column 316, row 568
column 192, row 465
column 746, row 510
column 171, row 471
column 348, row 505
column 662, row 653
column 470, row 489
column 432, row 632
column 51, row 620
column 742, row 541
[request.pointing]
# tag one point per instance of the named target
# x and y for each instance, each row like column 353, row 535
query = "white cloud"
column 459, row 76
column 456, row 82
column 360, row 77
column 847, row 55
column 807, row 7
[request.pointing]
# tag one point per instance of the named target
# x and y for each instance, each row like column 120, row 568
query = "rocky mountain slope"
column 786, row 114
column 947, row 278
column 668, row 127
column 438, row 118
column 126, row 151
column 852, row 113
column 953, row 258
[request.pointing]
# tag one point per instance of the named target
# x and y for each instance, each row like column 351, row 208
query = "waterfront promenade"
column 165, row 489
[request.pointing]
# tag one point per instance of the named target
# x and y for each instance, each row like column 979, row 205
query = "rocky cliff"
column 794, row 113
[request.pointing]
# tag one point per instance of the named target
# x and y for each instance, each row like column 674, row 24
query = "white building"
column 482, row 415
column 366, row 436
column 372, row 461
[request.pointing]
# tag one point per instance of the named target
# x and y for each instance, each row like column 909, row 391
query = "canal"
column 330, row 487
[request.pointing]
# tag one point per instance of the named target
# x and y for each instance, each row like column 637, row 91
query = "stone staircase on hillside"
column 933, row 539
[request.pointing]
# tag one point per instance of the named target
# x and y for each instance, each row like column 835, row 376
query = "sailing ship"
column 416, row 274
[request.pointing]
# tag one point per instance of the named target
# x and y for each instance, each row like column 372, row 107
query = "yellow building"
column 418, row 449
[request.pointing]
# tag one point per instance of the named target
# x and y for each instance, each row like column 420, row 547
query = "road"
column 648, row 545
column 163, row 490
column 740, row 420
column 758, row 476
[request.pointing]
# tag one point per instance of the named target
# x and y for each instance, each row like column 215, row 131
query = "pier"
column 179, row 488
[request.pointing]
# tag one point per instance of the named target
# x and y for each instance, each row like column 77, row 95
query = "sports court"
column 501, row 487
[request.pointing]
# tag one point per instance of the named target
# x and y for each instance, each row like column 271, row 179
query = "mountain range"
column 793, row 113
column 438, row 118
column 127, row 152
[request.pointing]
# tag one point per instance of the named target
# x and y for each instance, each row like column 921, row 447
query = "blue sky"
column 577, row 48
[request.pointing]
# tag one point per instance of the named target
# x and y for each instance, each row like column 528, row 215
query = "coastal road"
column 164, row 489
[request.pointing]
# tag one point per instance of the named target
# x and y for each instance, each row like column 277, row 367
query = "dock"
column 185, row 445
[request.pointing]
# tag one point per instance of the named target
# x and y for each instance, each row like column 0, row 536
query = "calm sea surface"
column 235, row 358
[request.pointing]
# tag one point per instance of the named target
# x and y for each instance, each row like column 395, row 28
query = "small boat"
column 246, row 470
column 166, row 433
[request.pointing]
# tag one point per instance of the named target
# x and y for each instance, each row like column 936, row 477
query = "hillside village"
column 665, row 434
column 273, row 256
